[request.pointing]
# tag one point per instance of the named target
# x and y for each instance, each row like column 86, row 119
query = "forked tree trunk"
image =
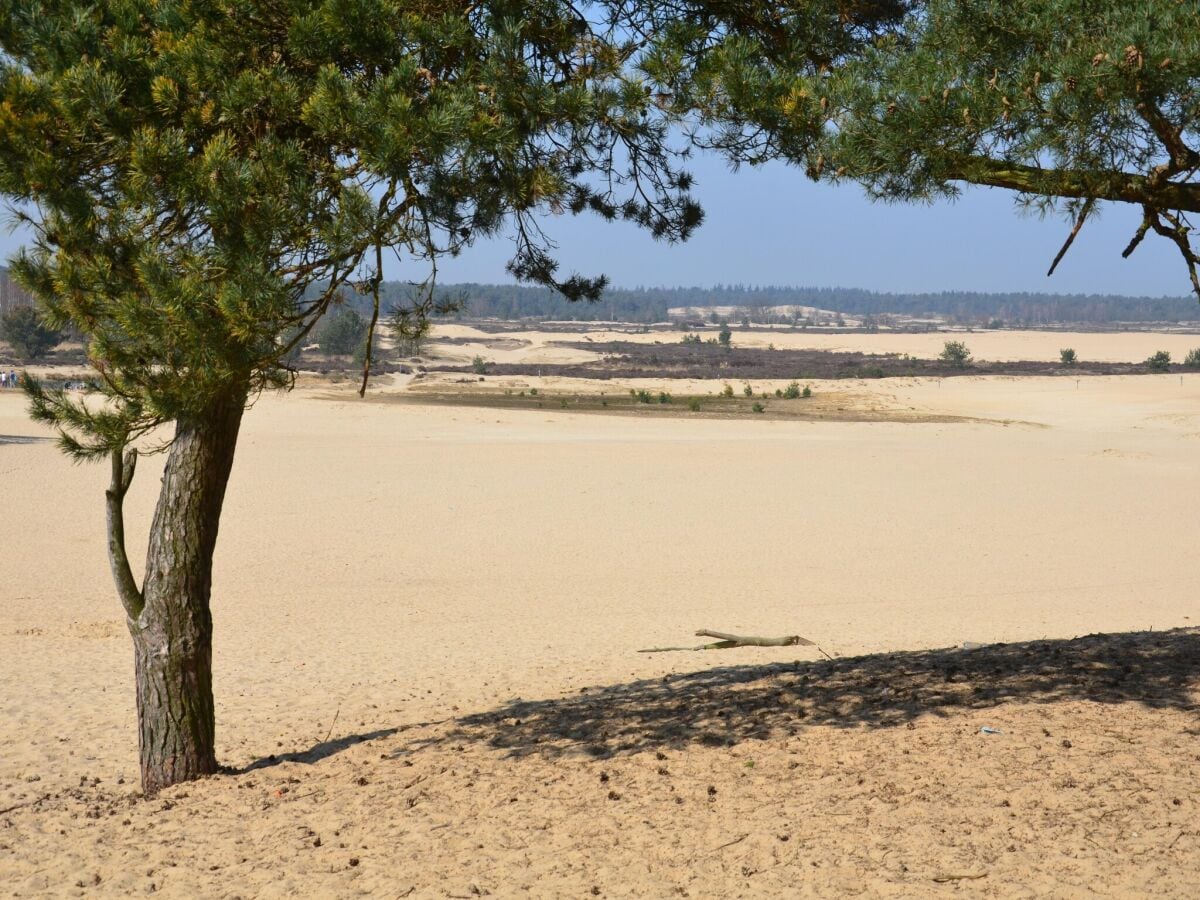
column 172, row 630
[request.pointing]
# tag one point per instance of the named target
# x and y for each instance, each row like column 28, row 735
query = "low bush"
column 1159, row 362
column 955, row 353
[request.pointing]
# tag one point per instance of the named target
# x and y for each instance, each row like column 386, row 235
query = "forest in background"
column 500, row 301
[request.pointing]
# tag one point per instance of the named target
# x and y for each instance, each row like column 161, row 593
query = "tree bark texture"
column 172, row 632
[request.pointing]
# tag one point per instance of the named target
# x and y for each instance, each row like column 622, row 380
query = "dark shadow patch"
column 317, row 752
column 22, row 439
column 727, row 705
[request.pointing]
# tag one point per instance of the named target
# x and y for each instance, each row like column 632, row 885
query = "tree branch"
column 1178, row 232
column 729, row 641
column 1083, row 214
column 1139, row 235
column 1182, row 156
column 122, row 476
column 1117, row 186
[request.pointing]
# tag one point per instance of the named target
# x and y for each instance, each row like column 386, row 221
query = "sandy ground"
column 427, row 680
column 997, row 346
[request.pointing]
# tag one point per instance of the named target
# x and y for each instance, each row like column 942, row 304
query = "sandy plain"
column 427, row 681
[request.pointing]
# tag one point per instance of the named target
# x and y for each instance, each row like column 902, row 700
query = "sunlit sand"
column 399, row 587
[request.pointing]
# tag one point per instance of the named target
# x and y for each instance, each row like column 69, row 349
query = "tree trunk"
column 172, row 633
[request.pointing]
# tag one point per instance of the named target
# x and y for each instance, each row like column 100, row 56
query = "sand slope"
column 402, row 565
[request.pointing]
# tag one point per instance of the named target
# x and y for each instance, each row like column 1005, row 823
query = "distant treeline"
column 652, row 304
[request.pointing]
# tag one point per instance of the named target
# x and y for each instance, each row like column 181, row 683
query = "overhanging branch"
column 1117, row 186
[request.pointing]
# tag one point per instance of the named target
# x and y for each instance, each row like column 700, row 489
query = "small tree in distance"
column 29, row 335
column 725, row 336
column 341, row 332
column 1192, row 360
column 1159, row 362
column 1067, row 356
column 956, row 354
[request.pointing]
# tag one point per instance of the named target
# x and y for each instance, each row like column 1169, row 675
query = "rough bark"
column 172, row 634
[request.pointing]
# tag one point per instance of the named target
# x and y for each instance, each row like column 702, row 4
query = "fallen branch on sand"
column 727, row 641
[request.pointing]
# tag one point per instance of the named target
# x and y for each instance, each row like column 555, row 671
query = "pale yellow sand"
column 396, row 565
column 997, row 346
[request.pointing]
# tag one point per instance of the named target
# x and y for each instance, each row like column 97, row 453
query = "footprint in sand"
column 1112, row 453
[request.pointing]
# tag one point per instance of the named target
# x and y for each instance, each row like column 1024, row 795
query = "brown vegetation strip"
column 822, row 407
column 624, row 359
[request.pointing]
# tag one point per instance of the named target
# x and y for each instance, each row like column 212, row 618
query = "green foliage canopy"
column 341, row 332
column 203, row 178
column 29, row 336
column 1068, row 103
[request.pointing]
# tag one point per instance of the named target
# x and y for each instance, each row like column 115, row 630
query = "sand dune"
column 412, row 597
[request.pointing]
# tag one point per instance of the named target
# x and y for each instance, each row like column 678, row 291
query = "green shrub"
column 694, row 404
column 664, row 397
column 1159, row 362
column 341, row 332
column 806, row 393
column 533, row 392
column 792, row 391
column 758, row 407
column 28, row 335
column 725, row 337
column 479, row 365
column 955, row 353
column 691, row 339
column 1067, row 356
column 748, row 391
column 727, row 391
column 1192, row 360
column 643, row 396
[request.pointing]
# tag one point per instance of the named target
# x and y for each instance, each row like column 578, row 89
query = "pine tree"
column 204, row 179
column 27, row 334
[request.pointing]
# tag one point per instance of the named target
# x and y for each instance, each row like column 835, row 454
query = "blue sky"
column 771, row 226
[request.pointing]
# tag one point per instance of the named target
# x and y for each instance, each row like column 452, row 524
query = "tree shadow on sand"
column 727, row 705
column 318, row 752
